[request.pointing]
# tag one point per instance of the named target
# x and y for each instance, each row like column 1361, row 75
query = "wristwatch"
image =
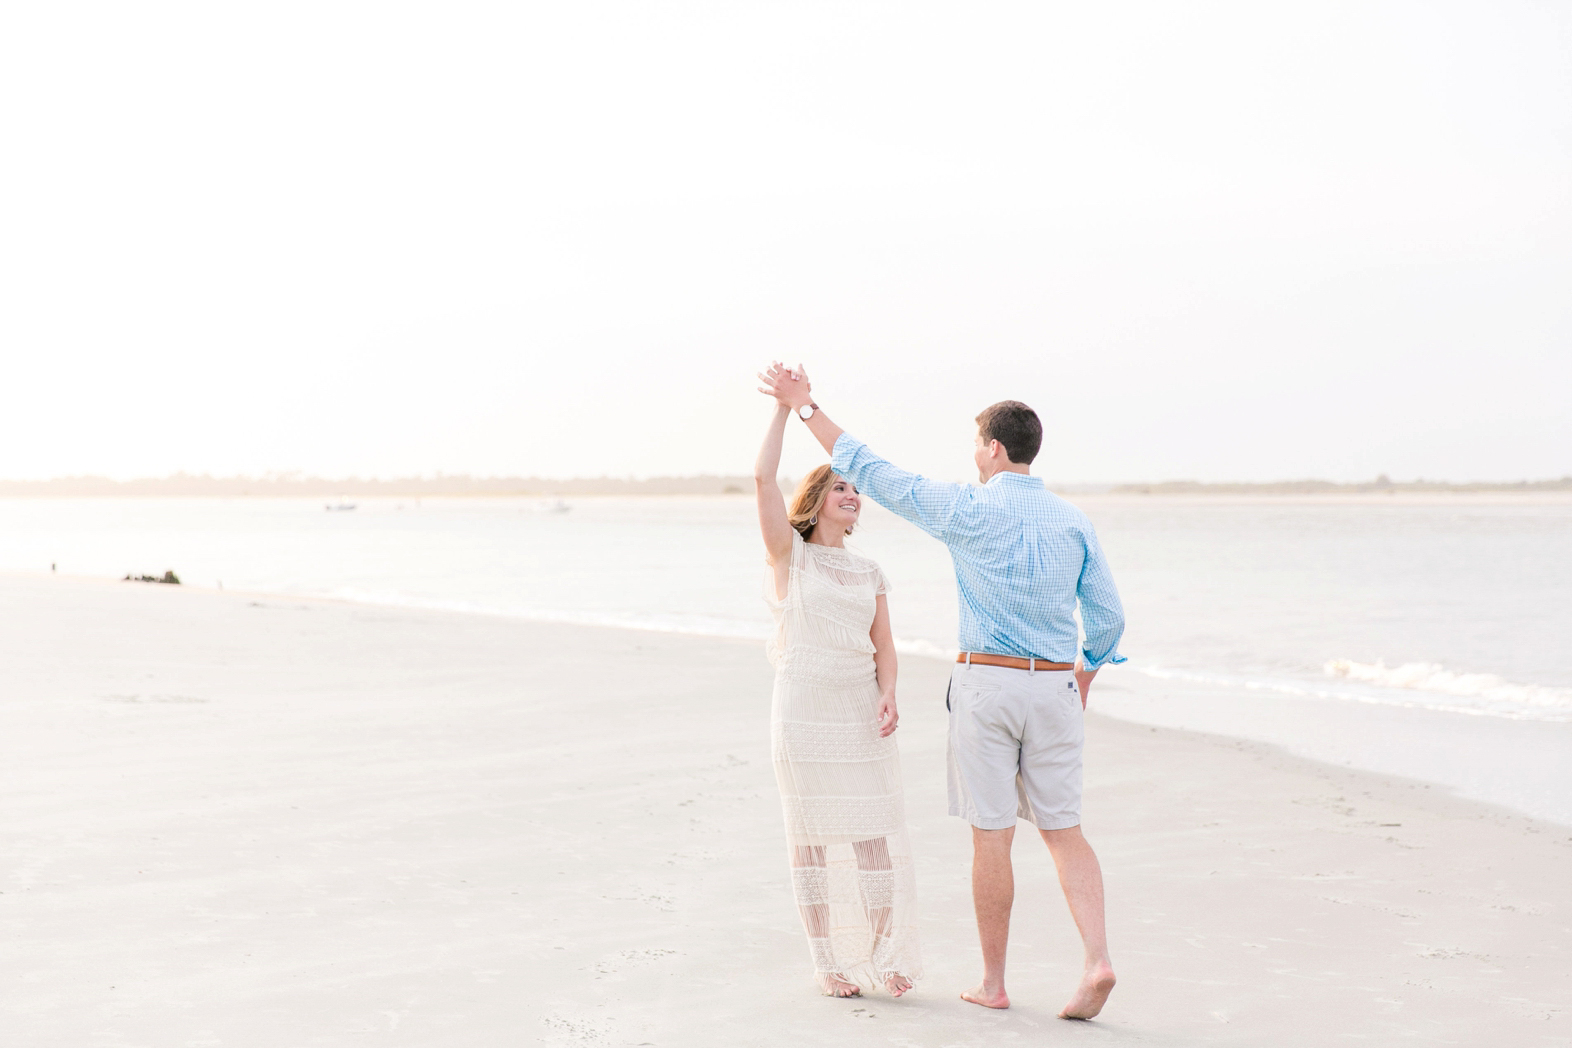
column 806, row 411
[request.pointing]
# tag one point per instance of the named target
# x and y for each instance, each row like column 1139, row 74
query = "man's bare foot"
column 835, row 985
column 980, row 994
column 897, row 984
column 1091, row 995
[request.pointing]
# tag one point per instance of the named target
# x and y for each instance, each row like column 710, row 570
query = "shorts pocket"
column 971, row 695
column 967, row 690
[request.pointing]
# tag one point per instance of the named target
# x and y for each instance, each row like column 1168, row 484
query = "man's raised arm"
column 929, row 504
column 792, row 388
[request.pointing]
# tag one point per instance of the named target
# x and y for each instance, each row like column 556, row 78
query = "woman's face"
column 841, row 505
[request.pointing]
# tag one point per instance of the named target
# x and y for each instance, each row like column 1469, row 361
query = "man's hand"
column 788, row 386
column 1083, row 680
column 887, row 715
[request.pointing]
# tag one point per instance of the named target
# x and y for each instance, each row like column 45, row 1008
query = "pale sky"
column 1217, row 241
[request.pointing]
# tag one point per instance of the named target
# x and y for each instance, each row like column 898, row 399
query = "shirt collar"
column 1016, row 478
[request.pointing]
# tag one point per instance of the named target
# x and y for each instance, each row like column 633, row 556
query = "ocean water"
column 1444, row 612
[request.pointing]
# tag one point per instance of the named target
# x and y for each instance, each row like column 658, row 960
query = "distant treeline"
column 1326, row 487
column 185, row 485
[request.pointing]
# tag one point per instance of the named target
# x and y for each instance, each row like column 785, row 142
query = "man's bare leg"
column 1082, row 880
column 993, row 894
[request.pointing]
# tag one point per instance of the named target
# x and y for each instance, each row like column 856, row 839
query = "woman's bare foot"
column 988, row 998
column 835, row 985
column 897, row 984
column 1091, row 995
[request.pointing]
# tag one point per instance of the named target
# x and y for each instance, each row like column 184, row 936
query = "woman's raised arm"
column 773, row 524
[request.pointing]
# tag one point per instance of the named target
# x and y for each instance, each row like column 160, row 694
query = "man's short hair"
column 1015, row 426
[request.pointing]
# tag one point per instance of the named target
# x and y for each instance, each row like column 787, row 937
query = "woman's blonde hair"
column 809, row 499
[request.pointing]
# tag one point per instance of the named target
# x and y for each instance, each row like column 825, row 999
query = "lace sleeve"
column 881, row 582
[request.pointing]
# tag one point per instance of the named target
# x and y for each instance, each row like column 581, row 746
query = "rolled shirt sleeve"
column 1102, row 614
column 929, row 504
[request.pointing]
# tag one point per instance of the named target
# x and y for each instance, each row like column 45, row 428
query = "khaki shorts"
column 1015, row 747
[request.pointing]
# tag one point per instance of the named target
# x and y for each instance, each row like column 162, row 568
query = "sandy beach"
column 245, row 820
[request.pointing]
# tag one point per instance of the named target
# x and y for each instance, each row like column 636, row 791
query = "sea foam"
column 1550, row 704
column 1433, row 677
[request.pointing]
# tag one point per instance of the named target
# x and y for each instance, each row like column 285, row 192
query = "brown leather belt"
column 974, row 658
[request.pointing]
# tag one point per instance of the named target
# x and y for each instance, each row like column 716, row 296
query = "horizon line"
column 295, row 483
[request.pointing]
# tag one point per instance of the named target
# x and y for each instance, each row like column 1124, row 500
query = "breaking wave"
column 1435, row 678
column 1413, row 685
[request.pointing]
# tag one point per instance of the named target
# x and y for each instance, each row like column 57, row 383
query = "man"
column 1023, row 560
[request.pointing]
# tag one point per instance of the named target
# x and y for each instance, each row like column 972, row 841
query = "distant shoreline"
column 188, row 486
column 1379, row 486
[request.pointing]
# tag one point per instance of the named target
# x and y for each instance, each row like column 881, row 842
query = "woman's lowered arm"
column 884, row 666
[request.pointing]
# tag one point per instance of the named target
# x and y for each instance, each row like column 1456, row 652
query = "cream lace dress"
column 851, row 863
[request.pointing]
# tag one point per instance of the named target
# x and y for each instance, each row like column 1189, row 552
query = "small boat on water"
column 558, row 507
column 336, row 507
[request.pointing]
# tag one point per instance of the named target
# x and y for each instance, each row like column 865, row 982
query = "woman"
column 832, row 719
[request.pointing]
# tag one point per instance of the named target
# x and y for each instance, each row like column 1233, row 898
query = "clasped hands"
column 789, row 386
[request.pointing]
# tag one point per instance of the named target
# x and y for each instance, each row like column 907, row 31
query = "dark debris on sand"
column 169, row 577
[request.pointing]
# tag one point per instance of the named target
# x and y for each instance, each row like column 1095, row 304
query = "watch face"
column 806, row 411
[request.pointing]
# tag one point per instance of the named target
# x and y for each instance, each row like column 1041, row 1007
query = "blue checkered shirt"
column 1023, row 557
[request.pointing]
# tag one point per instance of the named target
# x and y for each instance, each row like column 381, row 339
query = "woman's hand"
column 787, row 385
column 887, row 714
